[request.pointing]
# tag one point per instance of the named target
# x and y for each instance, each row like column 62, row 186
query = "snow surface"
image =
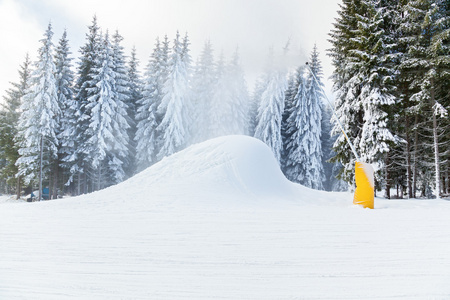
column 219, row 221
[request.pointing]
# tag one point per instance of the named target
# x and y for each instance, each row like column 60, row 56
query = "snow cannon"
column 364, row 193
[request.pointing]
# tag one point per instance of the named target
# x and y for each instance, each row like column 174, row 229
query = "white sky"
column 252, row 25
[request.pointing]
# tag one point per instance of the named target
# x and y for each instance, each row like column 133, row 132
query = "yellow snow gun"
column 364, row 193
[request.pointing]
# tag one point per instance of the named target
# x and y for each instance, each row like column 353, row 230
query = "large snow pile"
column 219, row 221
column 238, row 170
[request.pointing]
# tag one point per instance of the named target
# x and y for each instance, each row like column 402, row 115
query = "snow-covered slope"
column 219, row 221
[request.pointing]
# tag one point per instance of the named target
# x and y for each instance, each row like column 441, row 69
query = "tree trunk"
column 436, row 145
column 388, row 178
column 444, row 184
column 18, row 187
column 84, row 183
column 99, row 175
column 79, row 183
column 416, row 147
column 408, row 159
column 55, row 181
column 448, row 180
column 40, row 167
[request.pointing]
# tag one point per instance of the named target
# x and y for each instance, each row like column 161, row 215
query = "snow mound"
column 237, row 168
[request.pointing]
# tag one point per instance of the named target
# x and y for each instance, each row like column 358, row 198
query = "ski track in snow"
column 214, row 235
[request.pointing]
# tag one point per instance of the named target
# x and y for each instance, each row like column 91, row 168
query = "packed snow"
column 220, row 221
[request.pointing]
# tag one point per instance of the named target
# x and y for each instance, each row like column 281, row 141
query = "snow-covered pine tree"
column 327, row 146
column 164, row 58
column 373, row 60
column 313, row 122
column 68, row 122
column 331, row 170
column 409, row 83
column 230, row 102
column 175, row 106
column 187, row 59
column 337, row 184
column 399, row 160
column 271, row 108
column 76, row 160
column 219, row 101
column 302, row 161
column 185, row 53
column 424, row 62
column 292, row 146
column 440, row 49
column 38, row 126
column 255, row 100
column 346, row 85
column 203, row 83
column 363, row 78
column 286, row 134
column 147, row 122
column 124, row 122
column 327, row 140
column 106, row 145
column 9, row 118
column 135, row 95
column 239, row 96
column 438, row 21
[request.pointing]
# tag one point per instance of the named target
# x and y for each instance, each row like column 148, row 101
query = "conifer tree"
column 122, row 118
column 219, row 102
column 135, row 95
column 9, row 118
column 372, row 58
column 147, row 121
column 239, row 96
column 175, row 106
column 440, row 50
column 271, row 108
column 363, row 78
column 84, row 88
column 313, row 121
column 401, row 159
column 204, row 81
column 230, row 102
column 331, row 170
column 346, row 85
column 423, row 63
column 185, row 55
column 302, row 162
column 68, row 122
column 411, row 73
column 260, row 86
column 327, row 146
column 255, row 101
column 38, row 123
column 437, row 83
column 286, row 133
column 292, row 143
column 107, row 139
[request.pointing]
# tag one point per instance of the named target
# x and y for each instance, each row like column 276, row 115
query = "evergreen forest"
column 80, row 125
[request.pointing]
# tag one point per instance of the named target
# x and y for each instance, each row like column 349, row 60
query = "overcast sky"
column 252, row 25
